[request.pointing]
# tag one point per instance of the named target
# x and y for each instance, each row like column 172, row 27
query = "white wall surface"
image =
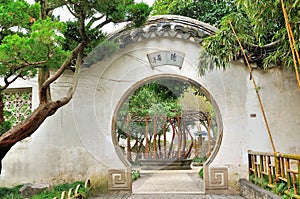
column 76, row 142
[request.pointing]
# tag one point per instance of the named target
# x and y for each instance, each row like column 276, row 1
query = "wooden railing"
column 279, row 171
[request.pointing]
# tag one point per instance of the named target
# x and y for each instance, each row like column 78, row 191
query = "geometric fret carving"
column 17, row 104
column 119, row 180
column 216, row 178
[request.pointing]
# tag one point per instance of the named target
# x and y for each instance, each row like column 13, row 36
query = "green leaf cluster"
column 165, row 7
column 205, row 10
column 11, row 193
column 27, row 42
column 16, row 16
column 258, row 24
column 157, row 98
column 5, row 126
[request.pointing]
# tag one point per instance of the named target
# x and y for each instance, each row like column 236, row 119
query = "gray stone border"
column 165, row 26
column 250, row 190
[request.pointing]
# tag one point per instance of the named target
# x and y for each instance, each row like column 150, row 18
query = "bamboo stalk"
column 298, row 163
column 288, row 174
column 146, row 136
column 154, row 139
column 165, row 139
column 128, row 138
column 256, row 89
column 269, row 169
column 179, row 137
column 292, row 42
column 208, row 135
column 183, row 134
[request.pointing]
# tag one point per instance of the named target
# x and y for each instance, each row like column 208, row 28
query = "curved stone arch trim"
column 171, row 26
column 168, row 76
column 166, row 25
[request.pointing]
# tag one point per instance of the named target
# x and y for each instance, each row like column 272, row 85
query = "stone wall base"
column 252, row 191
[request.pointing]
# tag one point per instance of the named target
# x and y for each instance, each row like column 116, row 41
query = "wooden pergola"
column 179, row 128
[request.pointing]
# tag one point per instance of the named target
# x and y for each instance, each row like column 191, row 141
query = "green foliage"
column 257, row 23
column 280, row 188
column 13, row 193
column 5, row 126
column 201, row 173
column 157, row 98
column 265, row 19
column 7, row 193
column 205, row 10
column 44, row 41
column 135, row 175
column 16, row 14
column 118, row 11
column 163, row 7
column 138, row 14
column 32, row 40
column 223, row 47
column 198, row 161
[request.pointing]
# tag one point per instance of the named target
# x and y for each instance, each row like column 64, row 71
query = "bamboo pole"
column 165, row 139
column 154, row 138
column 298, row 163
column 173, row 137
column 128, row 138
column 179, row 137
column 208, row 135
column 292, row 42
column 146, row 136
column 183, row 134
column 256, row 89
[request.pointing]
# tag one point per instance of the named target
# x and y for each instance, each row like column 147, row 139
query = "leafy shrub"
column 6, row 193
column 135, row 175
column 201, row 173
column 13, row 193
column 280, row 188
column 198, row 161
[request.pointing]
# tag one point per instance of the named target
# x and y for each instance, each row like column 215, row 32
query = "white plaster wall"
column 77, row 142
column 232, row 90
column 54, row 153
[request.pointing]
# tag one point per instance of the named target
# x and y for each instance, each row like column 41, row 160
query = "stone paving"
column 170, row 196
column 184, row 184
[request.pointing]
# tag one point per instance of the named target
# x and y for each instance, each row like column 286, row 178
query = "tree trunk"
column 44, row 93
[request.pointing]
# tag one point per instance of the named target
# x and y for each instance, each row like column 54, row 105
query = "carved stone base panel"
column 216, row 178
column 119, row 181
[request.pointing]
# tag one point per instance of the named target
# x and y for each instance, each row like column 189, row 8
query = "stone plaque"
column 166, row 57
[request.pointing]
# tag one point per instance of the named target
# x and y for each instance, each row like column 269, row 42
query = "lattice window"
column 18, row 104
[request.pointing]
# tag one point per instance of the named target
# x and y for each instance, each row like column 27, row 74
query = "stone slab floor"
column 179, row 184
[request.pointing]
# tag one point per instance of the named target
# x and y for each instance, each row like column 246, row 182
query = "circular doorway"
column 167, row 122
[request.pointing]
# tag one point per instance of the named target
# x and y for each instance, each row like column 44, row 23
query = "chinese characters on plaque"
column 166, row 57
